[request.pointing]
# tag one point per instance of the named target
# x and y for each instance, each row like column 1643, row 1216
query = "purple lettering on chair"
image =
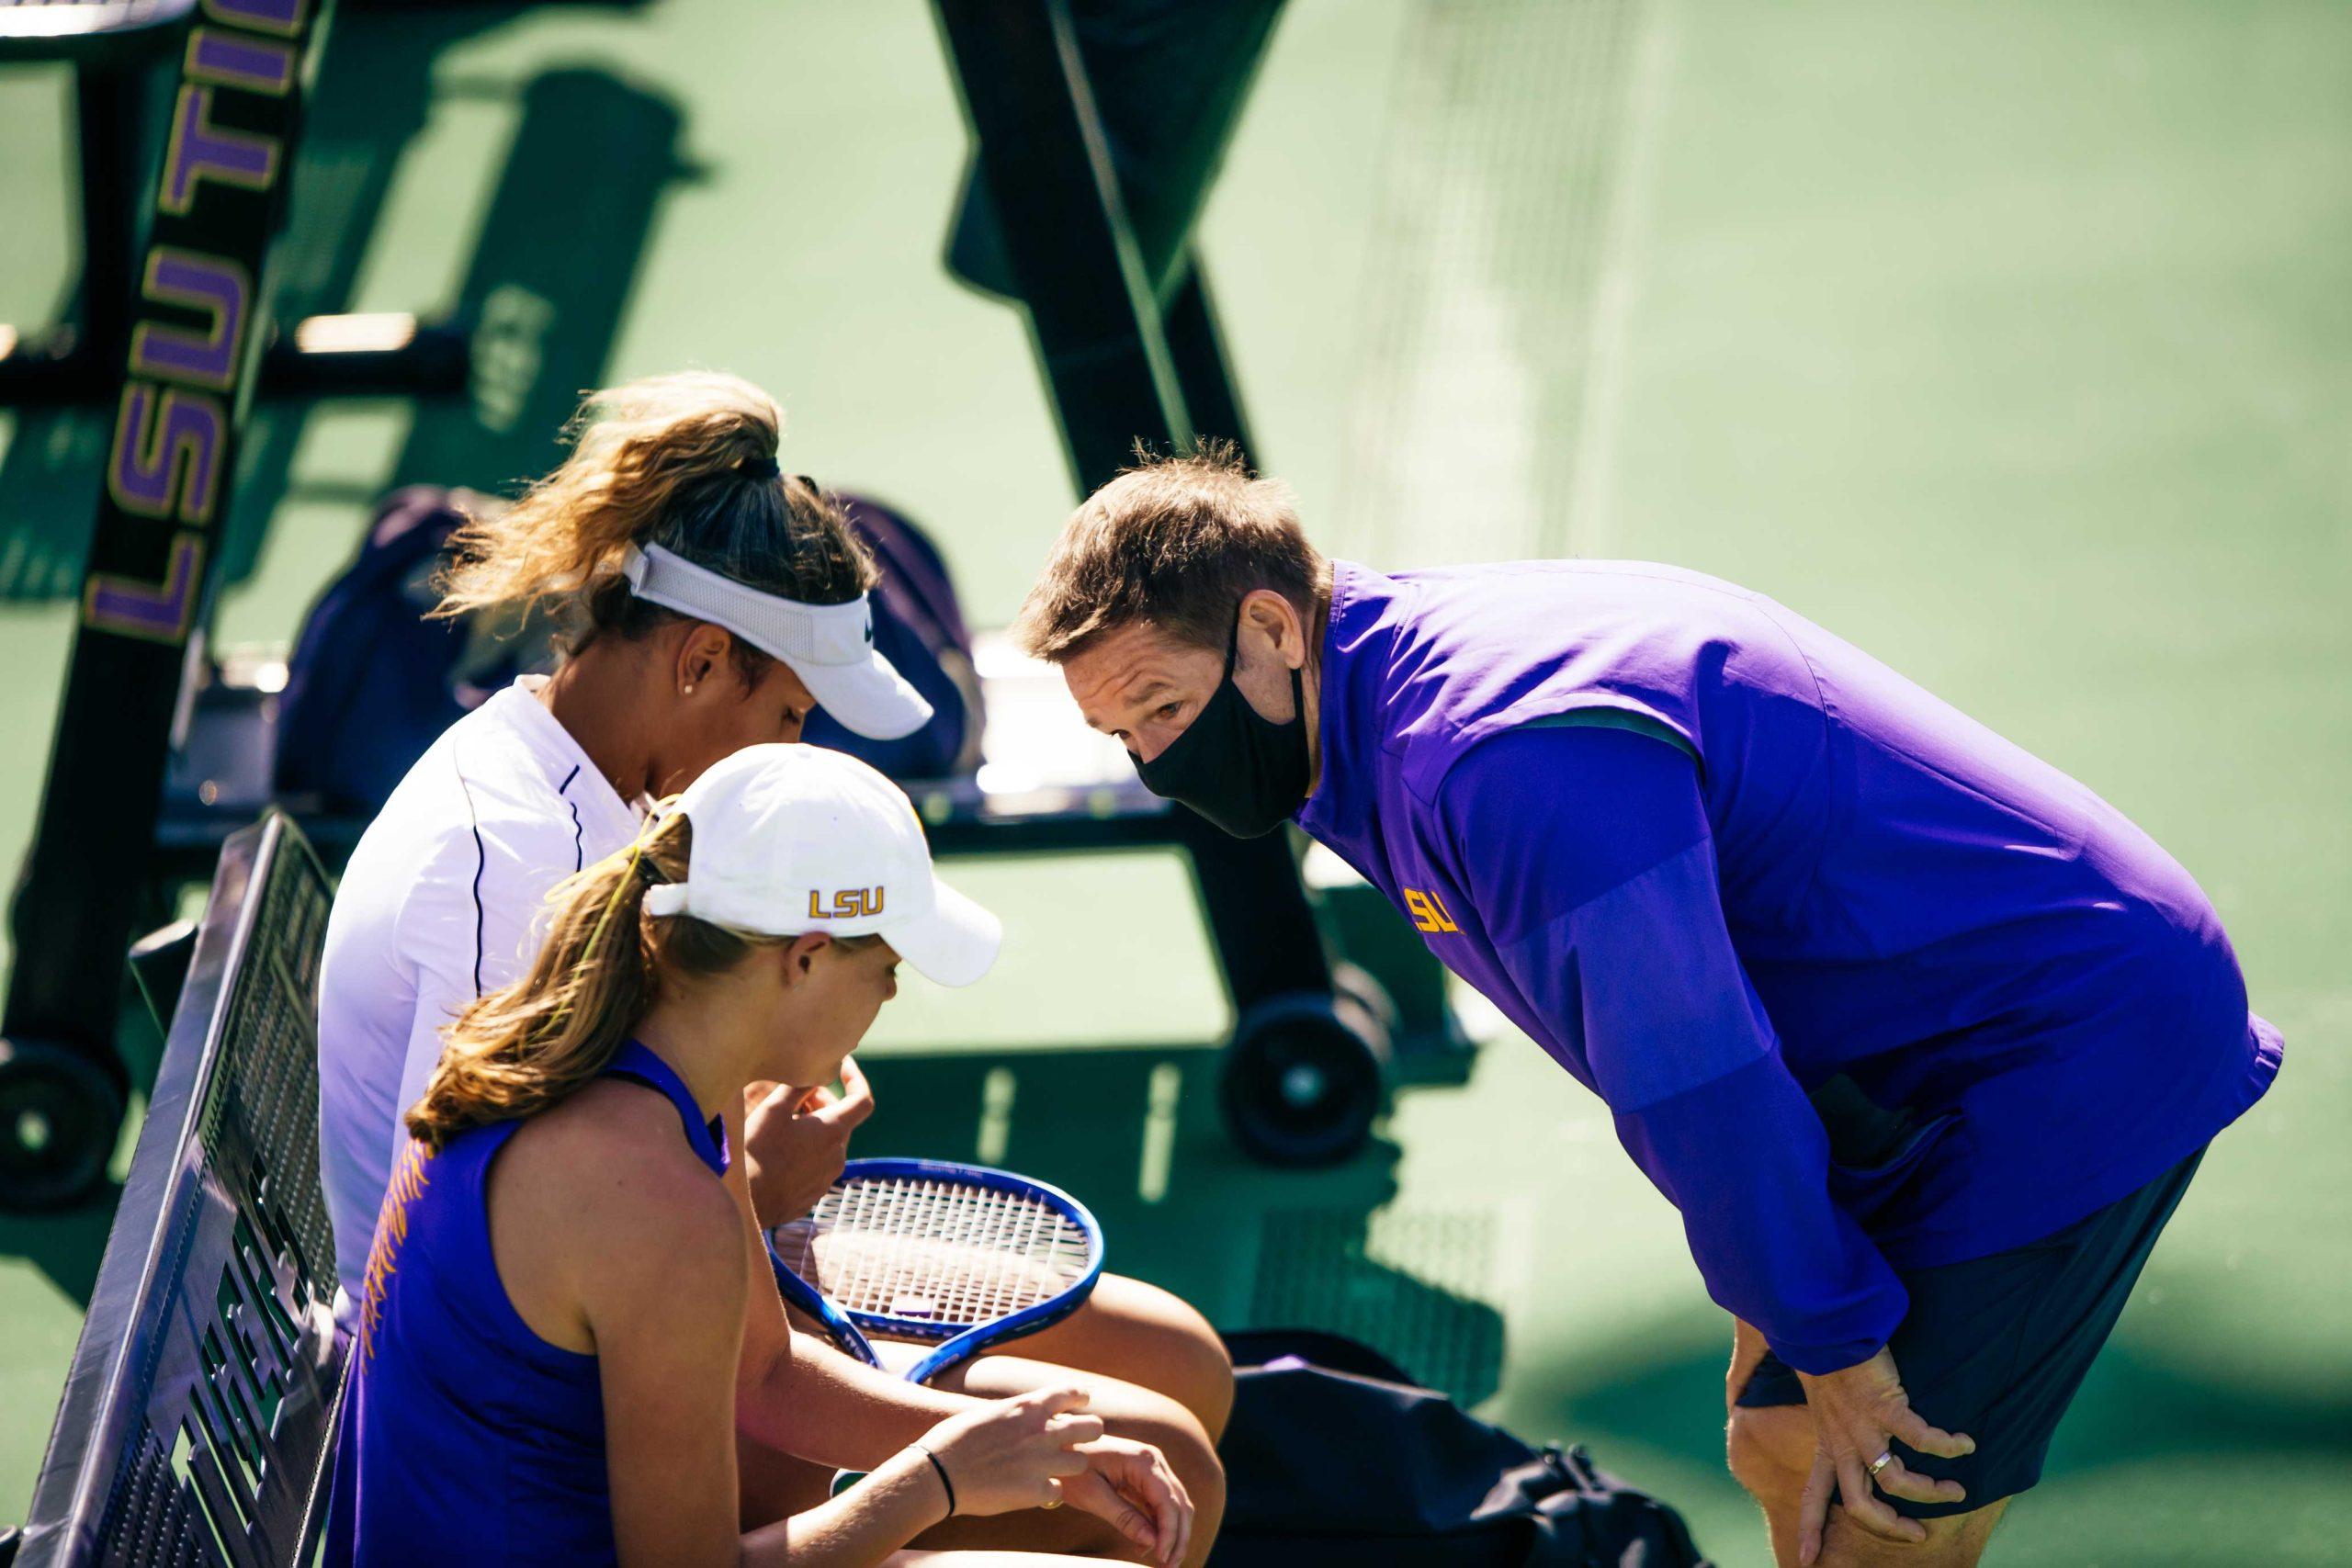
column 283, row 18
column 200, row 150
column 135, row 607
column 167, row 443
column 213, row 284
column 235, row 60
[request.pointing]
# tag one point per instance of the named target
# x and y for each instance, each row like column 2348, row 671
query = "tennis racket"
column 961, row 1256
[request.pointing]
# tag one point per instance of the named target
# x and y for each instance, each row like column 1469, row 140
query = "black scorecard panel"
column 197, row 1420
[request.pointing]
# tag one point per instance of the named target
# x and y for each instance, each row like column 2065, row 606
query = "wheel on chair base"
column 61, row 1112
column 1302, row 1078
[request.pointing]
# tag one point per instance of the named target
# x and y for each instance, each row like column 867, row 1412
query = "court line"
column 1166, row 1087
column 997, row 1091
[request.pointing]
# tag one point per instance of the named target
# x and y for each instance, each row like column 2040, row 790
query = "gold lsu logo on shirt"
column 1428, row 913
column 849, row 904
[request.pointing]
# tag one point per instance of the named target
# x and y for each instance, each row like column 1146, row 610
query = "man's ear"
column 1277, row 618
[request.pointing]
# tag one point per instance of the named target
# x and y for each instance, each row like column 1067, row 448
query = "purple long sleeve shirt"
column 1740, row 879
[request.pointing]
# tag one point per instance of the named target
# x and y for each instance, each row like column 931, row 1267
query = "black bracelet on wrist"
column 946, row 1485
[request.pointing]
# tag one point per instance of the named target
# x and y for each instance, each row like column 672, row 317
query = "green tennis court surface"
column 2014, row 341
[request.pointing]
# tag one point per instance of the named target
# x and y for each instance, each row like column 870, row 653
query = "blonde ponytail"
column 528, row 1046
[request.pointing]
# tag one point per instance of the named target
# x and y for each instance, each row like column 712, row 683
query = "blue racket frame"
column 849, row 1329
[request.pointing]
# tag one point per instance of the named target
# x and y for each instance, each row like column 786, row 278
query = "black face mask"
column 1235, row 766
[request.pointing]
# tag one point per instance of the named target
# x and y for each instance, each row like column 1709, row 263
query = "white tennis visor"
column 830, row 647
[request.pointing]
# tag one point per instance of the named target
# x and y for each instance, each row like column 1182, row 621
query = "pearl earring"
column 690, row 691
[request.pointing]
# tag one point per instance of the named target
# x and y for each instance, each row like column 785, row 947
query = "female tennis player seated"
column 546, row 1362
column 707, row 602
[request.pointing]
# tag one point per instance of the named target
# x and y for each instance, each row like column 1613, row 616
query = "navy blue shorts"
column 1997, row 1346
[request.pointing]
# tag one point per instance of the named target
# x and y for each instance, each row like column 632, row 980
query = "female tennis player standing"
column 712, row 604
column 545, row 1364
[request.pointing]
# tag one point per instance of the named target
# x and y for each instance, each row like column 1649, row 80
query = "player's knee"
column 1743, row 1448
column 1954, row 1541
column 1160, row 1339
column 1198, row 1369
column 1769, row 1450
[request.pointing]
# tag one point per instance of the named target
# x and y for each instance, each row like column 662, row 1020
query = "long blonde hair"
column 528, row 1047
column 686, row 461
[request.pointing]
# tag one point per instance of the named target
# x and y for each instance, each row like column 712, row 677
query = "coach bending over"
column 1923, row 1038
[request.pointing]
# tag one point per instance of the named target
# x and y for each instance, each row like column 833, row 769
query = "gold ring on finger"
column 1882, row 1462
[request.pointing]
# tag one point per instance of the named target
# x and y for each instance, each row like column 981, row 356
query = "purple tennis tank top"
column 464, row 1434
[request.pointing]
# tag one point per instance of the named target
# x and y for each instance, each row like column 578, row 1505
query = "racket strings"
column 944, row 1252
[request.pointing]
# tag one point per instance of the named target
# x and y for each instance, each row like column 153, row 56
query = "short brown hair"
column 1178, row 542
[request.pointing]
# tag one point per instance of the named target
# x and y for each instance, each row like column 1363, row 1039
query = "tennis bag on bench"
column 1333, row 1455
column 372, row 683
column 919, row 627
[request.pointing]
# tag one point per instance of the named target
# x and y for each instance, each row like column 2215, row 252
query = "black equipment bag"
column 372, row 682
column 919, row 627
column 1333, row 1455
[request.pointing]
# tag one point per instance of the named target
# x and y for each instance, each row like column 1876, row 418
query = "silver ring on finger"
column 1882, row 1462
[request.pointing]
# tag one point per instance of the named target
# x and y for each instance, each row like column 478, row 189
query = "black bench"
column 198, row 1416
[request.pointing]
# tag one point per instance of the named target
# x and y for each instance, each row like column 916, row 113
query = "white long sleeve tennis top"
column 437, row 906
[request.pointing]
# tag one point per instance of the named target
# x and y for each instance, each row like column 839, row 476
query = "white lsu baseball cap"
column 830, row 647
column 790, row 840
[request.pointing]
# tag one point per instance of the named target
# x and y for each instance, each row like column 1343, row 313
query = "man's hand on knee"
column 1856, row 1413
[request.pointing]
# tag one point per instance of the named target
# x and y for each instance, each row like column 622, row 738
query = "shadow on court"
column 1249, row 1246
column 1135, row 1135
column 66, row 1247
column 551, row 270
column 550, row 273
column 1663, row 1386
column 558, row 253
